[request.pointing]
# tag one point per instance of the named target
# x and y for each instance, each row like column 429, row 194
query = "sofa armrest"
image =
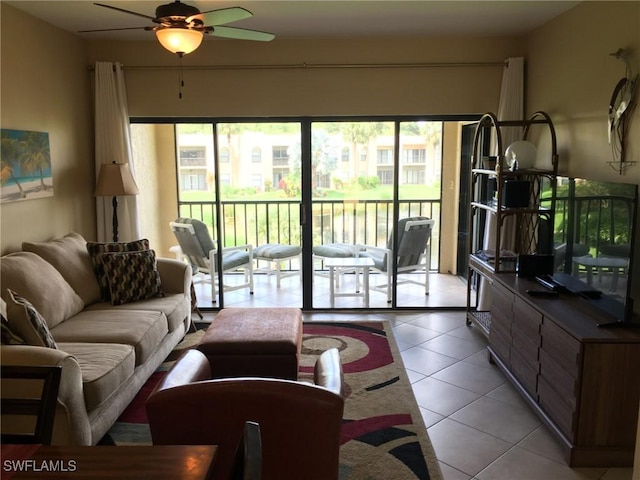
column 328, row 372
column 175, row 276
column 71, row 425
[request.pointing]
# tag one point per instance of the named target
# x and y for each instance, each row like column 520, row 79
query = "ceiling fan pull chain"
column 180, row 79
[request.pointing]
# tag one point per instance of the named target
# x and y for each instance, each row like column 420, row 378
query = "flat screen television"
column 593, row 233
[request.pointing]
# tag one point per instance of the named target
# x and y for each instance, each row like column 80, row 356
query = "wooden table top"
column 161, row 462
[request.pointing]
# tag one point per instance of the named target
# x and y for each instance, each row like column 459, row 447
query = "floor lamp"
column 115, row 180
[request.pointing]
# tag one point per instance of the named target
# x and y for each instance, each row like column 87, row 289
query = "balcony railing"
column 365, row 222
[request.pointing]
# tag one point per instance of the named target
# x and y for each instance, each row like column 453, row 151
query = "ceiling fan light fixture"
column 179, row 40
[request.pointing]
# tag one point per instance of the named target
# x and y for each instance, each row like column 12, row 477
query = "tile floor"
column 445, row 290
column 479, row 426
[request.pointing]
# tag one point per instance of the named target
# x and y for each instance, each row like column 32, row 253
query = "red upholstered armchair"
column 299, row 422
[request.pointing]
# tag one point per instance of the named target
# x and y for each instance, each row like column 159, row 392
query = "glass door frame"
column 305, row 123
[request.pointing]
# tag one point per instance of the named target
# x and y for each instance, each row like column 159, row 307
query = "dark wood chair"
column 42, row 406
column 300, row 422
column 249, row 456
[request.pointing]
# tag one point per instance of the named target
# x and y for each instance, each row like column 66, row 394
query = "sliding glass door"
column 360, row 172
column 313, row 188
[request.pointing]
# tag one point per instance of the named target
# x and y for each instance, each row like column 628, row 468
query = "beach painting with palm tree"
column 25, row 165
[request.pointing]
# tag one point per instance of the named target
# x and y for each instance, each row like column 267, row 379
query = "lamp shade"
column 115, row 180
column 179, row 40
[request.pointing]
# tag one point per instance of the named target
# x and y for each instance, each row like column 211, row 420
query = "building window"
column 364, row 154
column 280, row 155
column 193, row 157
column 385, row 156
column 224, row 155
column 225, row 179
column 415, row 155
column 256, row 155
column 386, row 176
column 278, row 175
column 193, row 179
column 345, row 154
column 322, row 180
column 256, row 181
column 415, row 177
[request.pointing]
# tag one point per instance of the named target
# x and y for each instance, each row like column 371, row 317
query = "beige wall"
column 449, row 217
column 571, row 76
column 45, row 87
column 156, row 174
column 215, row 91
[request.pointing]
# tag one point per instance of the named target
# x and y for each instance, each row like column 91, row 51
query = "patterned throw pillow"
column 42, row 335
column 95, row 249
column 132, row 276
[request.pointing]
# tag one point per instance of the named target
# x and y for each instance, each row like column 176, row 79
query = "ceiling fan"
column 181, row 27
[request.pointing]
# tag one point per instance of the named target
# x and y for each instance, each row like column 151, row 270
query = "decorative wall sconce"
column 621, row 105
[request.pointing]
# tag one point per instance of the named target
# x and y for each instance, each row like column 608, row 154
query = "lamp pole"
column 114, row 204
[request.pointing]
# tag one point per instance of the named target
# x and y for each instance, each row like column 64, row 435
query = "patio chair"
column 200, row 251
column 414, row 234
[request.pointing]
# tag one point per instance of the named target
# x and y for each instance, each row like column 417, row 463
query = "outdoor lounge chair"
column 200, row 251
column 414, row 234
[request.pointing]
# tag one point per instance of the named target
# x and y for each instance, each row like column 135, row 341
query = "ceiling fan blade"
column 124, row 11
column 221, row 16
column 242, row 34
column 115, row 29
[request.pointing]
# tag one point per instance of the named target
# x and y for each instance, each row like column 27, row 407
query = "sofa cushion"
column 173, row 305
column 336, row 250
column 143, row 330
column 96, row 248
column 30, row 324
column 131, row 276
column 38, row 281
column 70, row 257
column 104, row 366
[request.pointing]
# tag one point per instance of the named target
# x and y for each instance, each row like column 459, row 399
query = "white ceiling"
column 328, row 18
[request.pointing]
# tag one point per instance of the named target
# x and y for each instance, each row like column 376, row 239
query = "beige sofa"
column 106, row 351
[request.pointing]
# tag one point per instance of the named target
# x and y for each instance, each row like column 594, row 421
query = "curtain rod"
column 292, row 66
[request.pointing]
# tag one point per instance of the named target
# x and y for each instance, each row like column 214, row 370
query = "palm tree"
column 10, row 153
column 233, row 133
column 35, row 155
column 359, row 134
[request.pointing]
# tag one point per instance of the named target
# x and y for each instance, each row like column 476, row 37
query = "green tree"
column 358, row 134
column 35, row 155
column 323, row 157
column 10, row 159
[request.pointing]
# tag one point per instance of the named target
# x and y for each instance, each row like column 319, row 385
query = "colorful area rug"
column 383, row 435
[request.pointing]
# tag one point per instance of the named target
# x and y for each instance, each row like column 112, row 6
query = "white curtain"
column 113, row 143
column 511, row 107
